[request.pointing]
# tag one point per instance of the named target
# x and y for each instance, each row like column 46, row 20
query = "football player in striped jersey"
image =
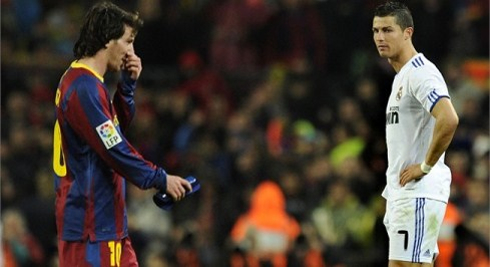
column 92, row 159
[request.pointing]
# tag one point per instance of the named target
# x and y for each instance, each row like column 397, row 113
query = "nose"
column 130, row 48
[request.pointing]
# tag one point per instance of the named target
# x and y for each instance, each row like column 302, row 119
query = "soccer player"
column 92, row 159
column 420, row 124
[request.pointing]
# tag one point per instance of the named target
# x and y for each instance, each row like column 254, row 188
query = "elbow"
column 454, row 122
column 451, row 123
column 447, row 124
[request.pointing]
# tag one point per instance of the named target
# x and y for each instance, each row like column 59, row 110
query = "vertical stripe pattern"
column 89, row 196
column 417, row 62
column 433, row 96
column 419, row 228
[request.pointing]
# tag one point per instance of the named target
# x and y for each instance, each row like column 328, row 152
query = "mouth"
column 382, row 47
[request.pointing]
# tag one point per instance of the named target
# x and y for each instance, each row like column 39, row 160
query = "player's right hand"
column 177, row 186
column 132, row 65
column 411, row 173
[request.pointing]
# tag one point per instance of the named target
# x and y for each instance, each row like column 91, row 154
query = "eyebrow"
column 382, row 28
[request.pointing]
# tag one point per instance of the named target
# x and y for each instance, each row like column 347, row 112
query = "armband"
column 425, row 167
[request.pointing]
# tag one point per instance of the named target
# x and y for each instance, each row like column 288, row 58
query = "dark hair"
column 402, row 14
column 104, row 22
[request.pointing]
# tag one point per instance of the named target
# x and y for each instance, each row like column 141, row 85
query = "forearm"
column 124, row 102
column 124, row 98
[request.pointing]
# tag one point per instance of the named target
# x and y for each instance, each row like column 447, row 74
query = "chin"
column 114, row 68
column 383, row 54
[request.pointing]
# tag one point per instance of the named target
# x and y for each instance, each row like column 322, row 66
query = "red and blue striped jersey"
column 92, row 159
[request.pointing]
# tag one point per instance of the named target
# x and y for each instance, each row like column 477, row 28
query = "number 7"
column 405, row 233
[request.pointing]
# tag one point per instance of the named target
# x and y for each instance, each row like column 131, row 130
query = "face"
column 118, row 49
column 388, row 36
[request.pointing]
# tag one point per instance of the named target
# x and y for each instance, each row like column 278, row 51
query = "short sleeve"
column 428, row 86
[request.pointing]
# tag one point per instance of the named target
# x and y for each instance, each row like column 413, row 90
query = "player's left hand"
column 412, row 172
column 132, row 64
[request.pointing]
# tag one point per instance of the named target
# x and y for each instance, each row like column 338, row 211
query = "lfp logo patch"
column 108, row 134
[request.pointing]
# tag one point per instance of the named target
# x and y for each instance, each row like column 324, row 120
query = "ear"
column 407, row 33
column 108, row 44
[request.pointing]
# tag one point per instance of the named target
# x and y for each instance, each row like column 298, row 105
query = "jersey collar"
column 76, row 64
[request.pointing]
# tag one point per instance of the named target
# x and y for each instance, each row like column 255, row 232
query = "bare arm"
column 446, row 123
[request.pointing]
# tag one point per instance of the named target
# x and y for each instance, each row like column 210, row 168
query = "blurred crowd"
column 276, row 106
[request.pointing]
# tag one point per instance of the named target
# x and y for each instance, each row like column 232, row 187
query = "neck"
column 96, row 63
column 402, row 58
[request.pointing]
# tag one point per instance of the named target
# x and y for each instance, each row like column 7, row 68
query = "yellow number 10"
column 59, row 165
column 115, row 248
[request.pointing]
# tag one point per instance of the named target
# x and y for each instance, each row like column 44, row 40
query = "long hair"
column 103, row 23
column 402, row 14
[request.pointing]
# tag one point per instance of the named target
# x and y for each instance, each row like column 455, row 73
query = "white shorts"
column 413, row 227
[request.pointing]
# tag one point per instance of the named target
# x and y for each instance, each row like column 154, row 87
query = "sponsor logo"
column 392, row 117
column 108, row 134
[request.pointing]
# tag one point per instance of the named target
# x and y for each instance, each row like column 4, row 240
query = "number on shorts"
column 115, row 248
column 405, row 243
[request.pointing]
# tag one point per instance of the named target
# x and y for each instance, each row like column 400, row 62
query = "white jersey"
column 409, row 128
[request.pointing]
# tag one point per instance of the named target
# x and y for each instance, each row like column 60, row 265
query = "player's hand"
column 177, row 187
column 132, row 65
column 412, row 172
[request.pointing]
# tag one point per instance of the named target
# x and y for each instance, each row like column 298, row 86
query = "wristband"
column 425, row 167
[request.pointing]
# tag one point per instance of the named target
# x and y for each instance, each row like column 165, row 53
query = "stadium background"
column 236, row 92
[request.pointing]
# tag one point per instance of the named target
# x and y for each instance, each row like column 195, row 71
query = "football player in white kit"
column 420, row 124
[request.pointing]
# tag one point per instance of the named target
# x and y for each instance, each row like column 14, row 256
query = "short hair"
column 402, row 14
column 104, row 22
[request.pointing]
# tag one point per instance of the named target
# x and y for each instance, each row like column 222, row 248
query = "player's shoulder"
column 80, row 85
column 422, row 68
column 80, row 79
column 421, row 64
column 418, row 61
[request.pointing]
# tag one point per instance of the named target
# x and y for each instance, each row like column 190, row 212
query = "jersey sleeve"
column 124, row 101
column 87, row 110
column 428, row 86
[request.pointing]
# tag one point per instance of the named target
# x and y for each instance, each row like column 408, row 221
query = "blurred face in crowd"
column 389, row 36
column 118, row 49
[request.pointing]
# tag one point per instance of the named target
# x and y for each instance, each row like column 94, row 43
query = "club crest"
column 399, row 94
